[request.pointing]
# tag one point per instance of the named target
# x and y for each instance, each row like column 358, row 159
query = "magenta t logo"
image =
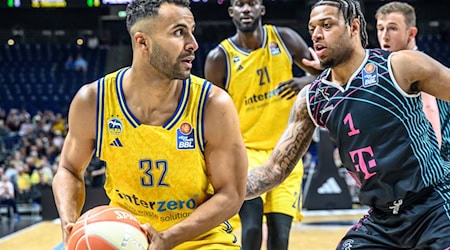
column 360, row 161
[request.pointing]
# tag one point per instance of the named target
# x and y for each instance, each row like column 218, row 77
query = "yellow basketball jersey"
column 157, row 172
column 251, row 80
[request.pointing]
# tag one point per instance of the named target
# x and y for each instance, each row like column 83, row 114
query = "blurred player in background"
column 255, row 66
column 155, row 126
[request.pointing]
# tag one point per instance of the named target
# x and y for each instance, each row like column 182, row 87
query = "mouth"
column 319, row 49
column 386, row 47
column 246, row 19
column 188, row 61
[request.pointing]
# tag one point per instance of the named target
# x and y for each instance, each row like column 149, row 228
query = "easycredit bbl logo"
column 185, row 137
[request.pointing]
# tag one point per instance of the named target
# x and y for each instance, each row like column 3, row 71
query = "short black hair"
column 350, row 9
column 141, row 9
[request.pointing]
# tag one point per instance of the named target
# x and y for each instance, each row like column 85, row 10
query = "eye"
column 179, row 32
column 327, row 25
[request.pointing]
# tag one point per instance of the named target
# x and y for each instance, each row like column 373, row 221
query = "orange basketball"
column 107, row 228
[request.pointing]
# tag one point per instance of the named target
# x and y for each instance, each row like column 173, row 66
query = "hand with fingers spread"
column 290, row 88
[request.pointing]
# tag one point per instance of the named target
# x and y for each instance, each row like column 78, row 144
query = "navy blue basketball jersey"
column 383, row 135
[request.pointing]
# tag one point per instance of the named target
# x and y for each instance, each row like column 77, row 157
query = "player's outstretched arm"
column 68, row 183
column 303, row 57
column 299, row 51
column 226, row 164
column 292, row 145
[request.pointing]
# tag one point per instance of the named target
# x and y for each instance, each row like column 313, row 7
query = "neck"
column 145, row 85
column 249, row 40
column 342, row 73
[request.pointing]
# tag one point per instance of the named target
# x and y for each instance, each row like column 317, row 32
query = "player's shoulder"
column 87, row 92
column 284, row 31
column 217, row 53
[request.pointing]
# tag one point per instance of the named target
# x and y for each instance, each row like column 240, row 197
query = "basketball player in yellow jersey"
column 155, row 125
column 255, row 67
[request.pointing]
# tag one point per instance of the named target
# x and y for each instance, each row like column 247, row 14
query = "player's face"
column 392, row 31
column 172, row 42
column 246, row 14
column 330, row 35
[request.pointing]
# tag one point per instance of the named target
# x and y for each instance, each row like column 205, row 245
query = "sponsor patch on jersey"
column 115, row 126
column 274, row 48
column 370, row 75
column 185, row 137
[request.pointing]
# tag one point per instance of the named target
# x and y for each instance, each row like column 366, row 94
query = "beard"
column 340, row 52
column 247, row 27
column 160, row 60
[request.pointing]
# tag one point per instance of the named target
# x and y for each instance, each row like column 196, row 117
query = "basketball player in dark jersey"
column 369, row 101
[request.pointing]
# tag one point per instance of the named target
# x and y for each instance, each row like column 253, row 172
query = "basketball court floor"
column 319, row 230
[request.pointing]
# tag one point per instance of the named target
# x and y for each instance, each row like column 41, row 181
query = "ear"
column 230, row 11
column 263, row 10
column 355, row 26
column 412, row 33
column 141, row 41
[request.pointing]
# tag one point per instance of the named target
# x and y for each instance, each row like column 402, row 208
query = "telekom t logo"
column 361, row 157
column 358, row 157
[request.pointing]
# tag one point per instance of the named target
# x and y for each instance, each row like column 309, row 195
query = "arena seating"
column 32, row 76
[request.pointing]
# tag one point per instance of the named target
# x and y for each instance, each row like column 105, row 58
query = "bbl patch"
column 115, row 126
column 185, row 137
column 370, row 75
column 274, row 48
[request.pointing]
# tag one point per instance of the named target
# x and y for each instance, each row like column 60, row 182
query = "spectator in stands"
column 13, row 120
column 4, row 130
column 12, row 174
column 69, row 65
column 80, row 63
column 7, row 195
column 23, row 184
column 41, row 178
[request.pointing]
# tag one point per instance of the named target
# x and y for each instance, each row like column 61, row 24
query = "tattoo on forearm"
column 289, row 150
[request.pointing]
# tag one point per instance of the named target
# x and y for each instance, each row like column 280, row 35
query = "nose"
column 316, row 35
column 385, row 35
column 191, row 44
column 246, row 8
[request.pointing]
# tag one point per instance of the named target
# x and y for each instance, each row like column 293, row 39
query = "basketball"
column 107, row 228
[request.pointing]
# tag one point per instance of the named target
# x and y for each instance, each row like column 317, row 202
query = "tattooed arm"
column 290, row 148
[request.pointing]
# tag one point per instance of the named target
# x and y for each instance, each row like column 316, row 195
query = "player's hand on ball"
column 156, row 239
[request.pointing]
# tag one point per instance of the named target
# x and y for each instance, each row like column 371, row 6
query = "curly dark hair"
column 350, row 9
column 141, row 9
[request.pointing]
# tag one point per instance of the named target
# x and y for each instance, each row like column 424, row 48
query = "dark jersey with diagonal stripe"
column 383, row 136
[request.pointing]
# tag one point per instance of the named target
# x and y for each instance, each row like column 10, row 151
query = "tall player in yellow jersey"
column 155, row 125
column 255, row 67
